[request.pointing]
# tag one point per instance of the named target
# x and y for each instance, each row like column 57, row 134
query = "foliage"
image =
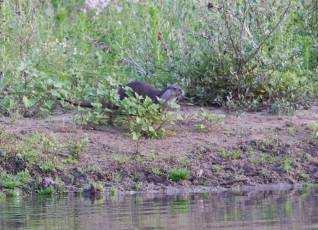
column 142, row 117
column 47, row 167
column 250, row 55
column 235, row 154
column 2, row 197
column 38, row 148
column 209, row 117
column 201, row 128
column 9, row 181
column 287, row 164
column 32, row 161
column 242, row 54
column 46, row 191
column 77, row 147
column 99, row 97
column 179, row 174
column 246, row 55
column 204, row 120
column 314, row 128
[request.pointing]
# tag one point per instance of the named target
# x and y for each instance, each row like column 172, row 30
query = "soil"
column 230, row 149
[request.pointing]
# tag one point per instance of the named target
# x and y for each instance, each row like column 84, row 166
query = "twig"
column 237, row 53
column 268, row 35
column 139, row 68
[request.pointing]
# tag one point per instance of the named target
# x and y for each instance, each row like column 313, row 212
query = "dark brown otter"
column 143, row 89
column 172, row 92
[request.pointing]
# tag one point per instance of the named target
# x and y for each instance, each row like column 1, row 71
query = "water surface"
column 293, row 209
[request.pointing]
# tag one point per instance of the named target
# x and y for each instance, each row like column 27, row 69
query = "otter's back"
column 142, row 89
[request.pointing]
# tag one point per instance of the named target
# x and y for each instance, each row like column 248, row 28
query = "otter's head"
column 172, row 92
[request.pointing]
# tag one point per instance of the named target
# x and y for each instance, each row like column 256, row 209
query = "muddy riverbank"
column 203, row 147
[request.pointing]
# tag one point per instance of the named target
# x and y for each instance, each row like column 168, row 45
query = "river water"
column 292, row 209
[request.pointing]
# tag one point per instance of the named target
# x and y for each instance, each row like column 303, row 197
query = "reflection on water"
column 248, row 210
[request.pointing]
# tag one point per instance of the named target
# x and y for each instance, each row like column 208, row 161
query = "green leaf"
column 27, row 103
column 135, row 136
column 151, row 129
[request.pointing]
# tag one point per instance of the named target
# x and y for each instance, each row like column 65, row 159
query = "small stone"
column 185, row 183
column 47, row 182
column 314, row 161
column 200, row 173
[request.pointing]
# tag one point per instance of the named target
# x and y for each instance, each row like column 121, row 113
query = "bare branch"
column 269, row 34
column 237, row 52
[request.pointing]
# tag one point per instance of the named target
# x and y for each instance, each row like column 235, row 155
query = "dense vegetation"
column 242, row 54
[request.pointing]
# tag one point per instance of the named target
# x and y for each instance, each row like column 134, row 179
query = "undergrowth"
column 246, row 55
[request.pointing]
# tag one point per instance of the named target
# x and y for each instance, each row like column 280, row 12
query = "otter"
column 172, row 92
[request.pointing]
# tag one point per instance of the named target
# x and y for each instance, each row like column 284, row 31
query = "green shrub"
column 10, row 181
column 253, row 59
column 77, row 147
column 47, row 167
column 142, row 117
column 49, row 191
column 179, row 174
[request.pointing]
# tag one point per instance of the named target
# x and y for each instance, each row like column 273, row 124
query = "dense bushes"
column 242, row 54
column 253, row 55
